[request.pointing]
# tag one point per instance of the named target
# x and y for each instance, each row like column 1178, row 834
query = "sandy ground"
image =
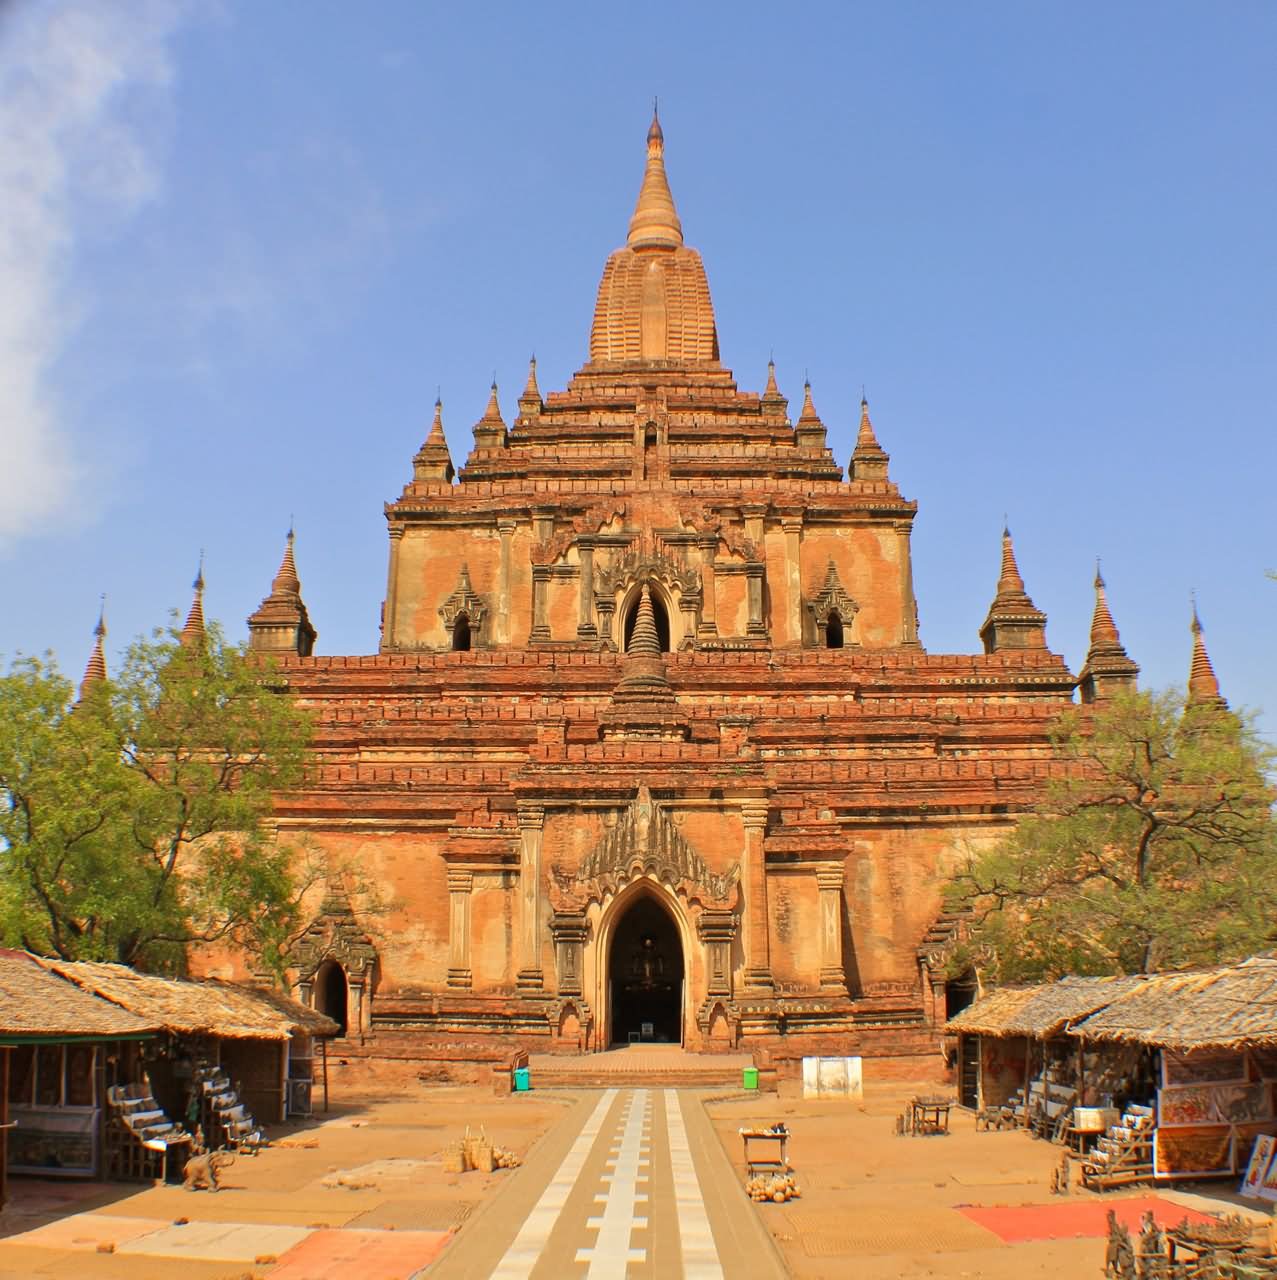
column 368, row 1166
column 878, row 1207
column 362, row 1193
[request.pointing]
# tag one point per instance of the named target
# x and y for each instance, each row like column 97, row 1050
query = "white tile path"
column 611, row 1252
column 527, row 1246
column 625, row 1207
column 700, row 1256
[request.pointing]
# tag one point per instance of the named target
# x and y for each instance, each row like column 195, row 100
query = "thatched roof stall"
column 1234, row 1007
column 991, row 1015
column 209, row 1007
column 57, row 1039
column 39, row 1006
column 1215, row 1032
column 247, row 1032
column 1021, row 1051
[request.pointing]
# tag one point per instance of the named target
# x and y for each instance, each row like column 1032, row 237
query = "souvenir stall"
column 1208, row 1041
column 223, row 1062
column 62, row 1050
column 1030, row 1071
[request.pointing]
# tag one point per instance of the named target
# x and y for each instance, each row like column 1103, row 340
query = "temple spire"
column 433, row 462
column 1009, row 579
column 655, row 220
column 773, row 403
column 490, row 430
column 644, row 641
column 1107, row 669
column 286, row 580
column 95, row 672
column 192, row 636
column 435, row 434
column 1203, row 685
column 1013, row 621
column 868, row 459
column 281, row 623
column 809, row 430
column 530, row 402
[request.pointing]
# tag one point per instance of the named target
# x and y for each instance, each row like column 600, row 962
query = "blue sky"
column 244, row 242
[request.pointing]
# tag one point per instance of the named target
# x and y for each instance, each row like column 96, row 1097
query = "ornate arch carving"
column 831, row 599
column 645, row 842
column 464, row 599
column 646, row 562
column 335, row 934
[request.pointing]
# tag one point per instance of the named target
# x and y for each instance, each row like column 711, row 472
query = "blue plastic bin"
column 522, row 1079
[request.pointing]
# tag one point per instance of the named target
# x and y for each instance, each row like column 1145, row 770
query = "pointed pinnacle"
column 644, row 641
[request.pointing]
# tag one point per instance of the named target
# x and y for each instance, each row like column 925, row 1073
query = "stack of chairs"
column 138, row 1133
column 227, row 1121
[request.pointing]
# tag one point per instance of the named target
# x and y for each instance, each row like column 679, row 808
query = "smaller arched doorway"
column 645, row 975
column 833, row 631
column 461, row 633
column 332, row 993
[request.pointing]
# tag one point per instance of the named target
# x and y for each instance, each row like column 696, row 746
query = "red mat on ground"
column 1014, row 1223
column 339, row 1253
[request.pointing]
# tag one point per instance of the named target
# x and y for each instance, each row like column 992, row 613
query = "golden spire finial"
column 1203, row 684
column 655, row 219
column 286, row 580
column 1103, row 628
column 193, row 629
column 1009, row 578
column 95, row 672
column 435, row 435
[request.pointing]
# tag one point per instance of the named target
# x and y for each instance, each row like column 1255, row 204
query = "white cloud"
column 78, row 151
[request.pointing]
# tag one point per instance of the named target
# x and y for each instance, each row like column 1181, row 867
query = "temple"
column 651, row 748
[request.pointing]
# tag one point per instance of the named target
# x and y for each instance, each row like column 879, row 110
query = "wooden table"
column 929, row 1115
column 775, row 1154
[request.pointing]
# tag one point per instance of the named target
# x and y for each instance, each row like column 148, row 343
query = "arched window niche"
column 461, row 633
column 660, row 615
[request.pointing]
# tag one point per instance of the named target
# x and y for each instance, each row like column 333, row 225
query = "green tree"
column 138, row 821
column 1154, row 848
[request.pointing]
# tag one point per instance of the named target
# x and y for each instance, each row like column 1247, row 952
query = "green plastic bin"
column 522, row 1079
column 749, row 1077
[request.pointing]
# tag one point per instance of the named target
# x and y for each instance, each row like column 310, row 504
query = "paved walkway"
column 631, row 1183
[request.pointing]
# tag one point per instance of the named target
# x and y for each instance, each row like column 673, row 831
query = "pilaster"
column 717, row 929
column 829, row 884
column 792, row 524
column 708, row 625
column 460, row 887
column 531, row 824
column 758, row 971
column 501, row 627
column 569, row 931
column 540, row 603
column 908, row 603
column 392, row 588
column 585, row 627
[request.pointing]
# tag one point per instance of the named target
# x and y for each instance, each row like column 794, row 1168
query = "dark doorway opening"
column 959, row 992
column 661, row 618
column 645, row 968
column 332, row 994
column 833, row 632
column 461, row 632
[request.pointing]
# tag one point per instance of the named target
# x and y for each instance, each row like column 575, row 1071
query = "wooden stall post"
column 324, row 1043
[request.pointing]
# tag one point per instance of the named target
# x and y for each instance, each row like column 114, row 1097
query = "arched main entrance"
column 645, row 975
column 331, row 990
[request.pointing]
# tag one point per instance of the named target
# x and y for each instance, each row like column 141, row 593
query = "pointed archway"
column 333, row 993
column 646, row 973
